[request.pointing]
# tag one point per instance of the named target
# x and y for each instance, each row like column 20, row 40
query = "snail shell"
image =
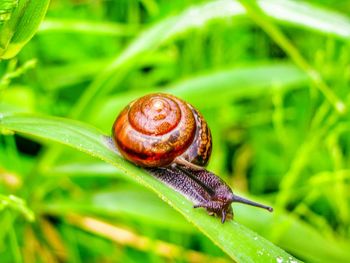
column 159, row 129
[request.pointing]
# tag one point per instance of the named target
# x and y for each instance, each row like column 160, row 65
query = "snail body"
column 171, row 140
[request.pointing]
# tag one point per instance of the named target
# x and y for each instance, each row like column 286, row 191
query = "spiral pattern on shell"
column 155, row 129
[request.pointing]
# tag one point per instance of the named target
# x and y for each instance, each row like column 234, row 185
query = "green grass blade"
column 126, row 201
column 224, row 85
column 17, row 204
column 239, row 242
column 6, row 8
column 308, row 16
column 276, row 34
column 86, row 27
column 197, row 17
column 21, row 27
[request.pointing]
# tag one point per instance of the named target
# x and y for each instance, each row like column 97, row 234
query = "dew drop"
column 279, row 260
column 340, row 106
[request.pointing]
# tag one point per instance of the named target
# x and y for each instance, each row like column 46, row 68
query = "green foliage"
column 272, row 79
column 16, row 203
column 227, row 236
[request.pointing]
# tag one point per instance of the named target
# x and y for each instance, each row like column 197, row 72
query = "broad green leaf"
column 239, row 242
column 84, row 169
column 296, row 236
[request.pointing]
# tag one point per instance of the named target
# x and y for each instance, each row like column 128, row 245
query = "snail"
column 171, row 140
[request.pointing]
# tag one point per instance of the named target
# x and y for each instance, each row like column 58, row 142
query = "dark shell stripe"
column 205, row 145
column 200, row 150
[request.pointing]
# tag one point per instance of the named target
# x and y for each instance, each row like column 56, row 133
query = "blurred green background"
column 271, row 78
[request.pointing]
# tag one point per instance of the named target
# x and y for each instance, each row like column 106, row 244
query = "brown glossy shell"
column 155, row 129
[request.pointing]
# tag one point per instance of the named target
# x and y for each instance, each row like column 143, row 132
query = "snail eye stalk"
column 238, row 199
